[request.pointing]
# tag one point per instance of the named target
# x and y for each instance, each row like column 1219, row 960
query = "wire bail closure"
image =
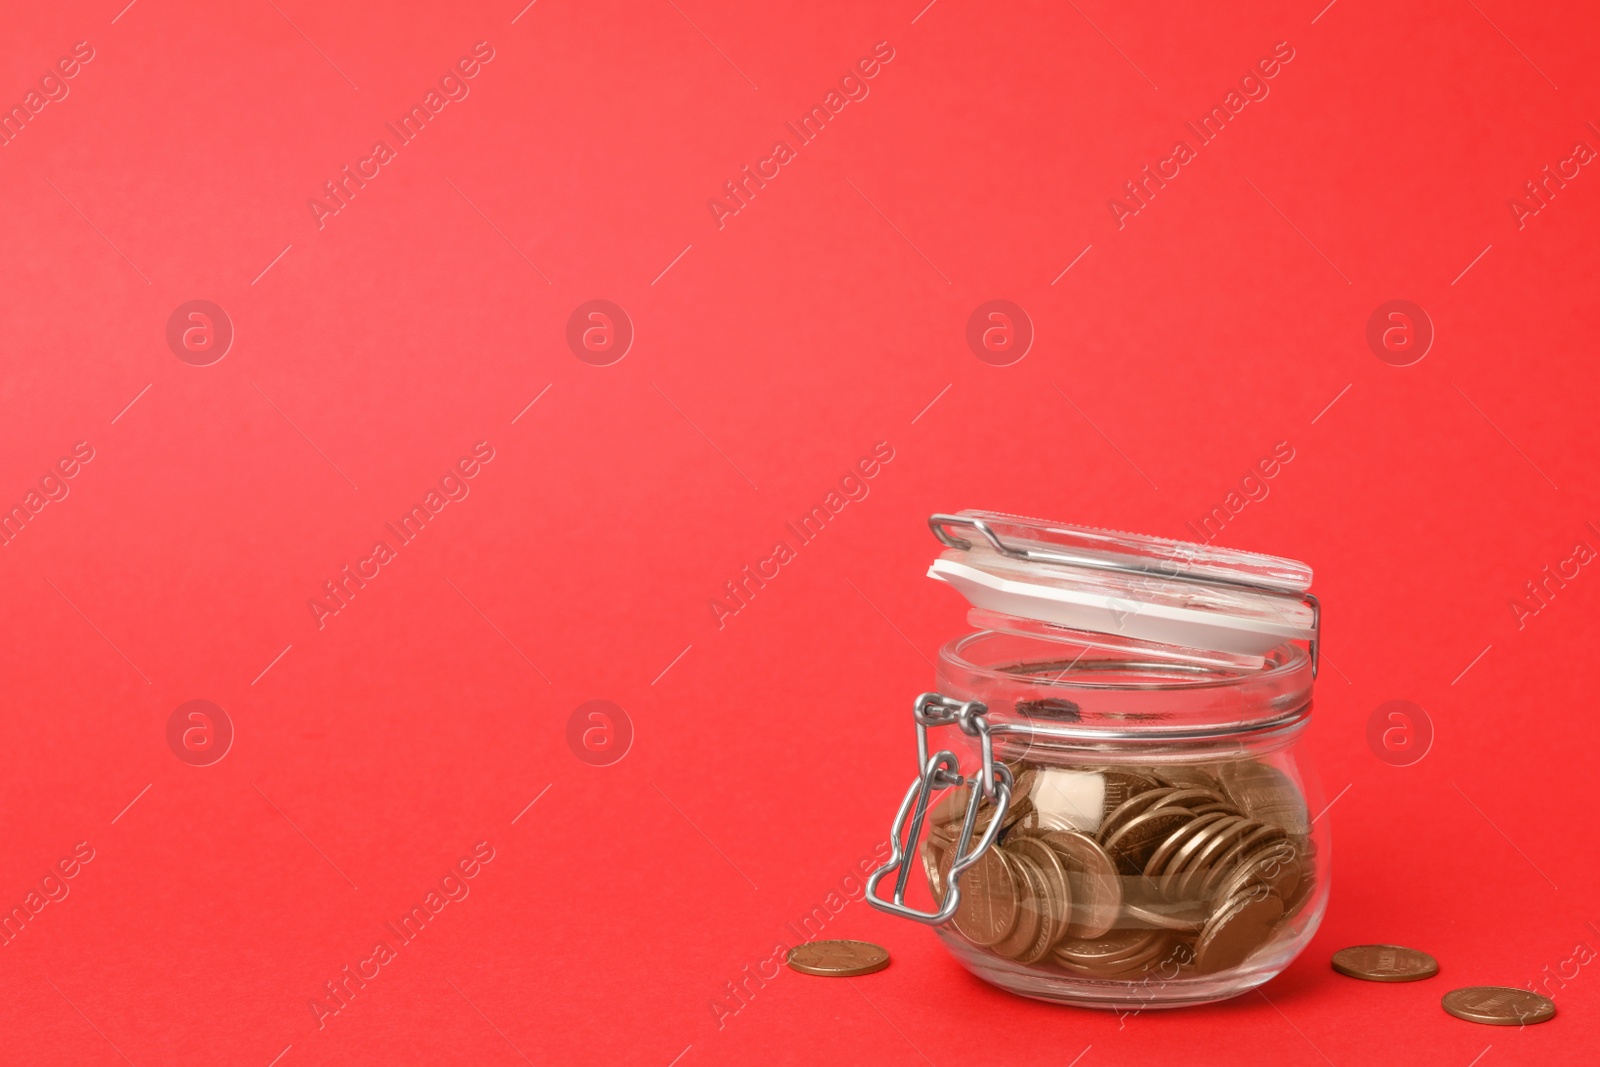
column 938, row 772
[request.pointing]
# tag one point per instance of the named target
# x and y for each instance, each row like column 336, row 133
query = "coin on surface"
column 838, row 959
column 1385, row 963
column 988, row 908
column 1497, row 1005
column 1096, row 887
column 1239, row 927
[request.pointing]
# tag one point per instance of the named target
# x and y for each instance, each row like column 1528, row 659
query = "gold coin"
column 1385, row 963
column 1496, row 1005
column 838, row 959
column 1239, row 927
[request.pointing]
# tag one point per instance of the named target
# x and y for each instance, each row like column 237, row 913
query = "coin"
column 950, row 808
column 1058, row 902
column 1308, row 885
column 1129, row 808
column 1497, row 1005
column 1219, row 805
column 1239, row 927
column 1187, row 777
column 1133, row 842
column 1186, row 835
column 1282, row 872
column 1121, row 786
column 1022, row 807
column 1385, row 963
column 1273, row 867
column 1258, row 838
column 838, row 959
column 1092, row 875
column 1029, row 941
column 1112, row 947
column 934, row 865
column 988, row 908
column 1144, row 950
column 1212, row 840
column 1190, row 797
column 1028, row 914
column 1187, row 916
column 1265, row 793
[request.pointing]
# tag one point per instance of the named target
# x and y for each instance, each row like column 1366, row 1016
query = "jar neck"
column 1076, row 688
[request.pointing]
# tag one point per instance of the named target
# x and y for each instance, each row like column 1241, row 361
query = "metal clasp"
column 943, row 771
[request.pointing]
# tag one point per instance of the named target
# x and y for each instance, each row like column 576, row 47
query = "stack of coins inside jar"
column 1114, row 872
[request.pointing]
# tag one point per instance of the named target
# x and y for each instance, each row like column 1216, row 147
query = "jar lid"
column 1147, row 588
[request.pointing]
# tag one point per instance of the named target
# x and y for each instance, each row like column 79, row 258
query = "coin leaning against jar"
column 1188, row 868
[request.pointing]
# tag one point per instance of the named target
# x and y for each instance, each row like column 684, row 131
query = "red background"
column 824, row 317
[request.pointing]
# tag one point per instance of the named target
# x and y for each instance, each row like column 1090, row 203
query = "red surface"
column 822, row 318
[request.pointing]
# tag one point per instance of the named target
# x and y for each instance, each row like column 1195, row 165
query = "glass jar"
column 1124, row 822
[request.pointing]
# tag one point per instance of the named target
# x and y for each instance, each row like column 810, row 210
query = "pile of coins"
column 1190, row 868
